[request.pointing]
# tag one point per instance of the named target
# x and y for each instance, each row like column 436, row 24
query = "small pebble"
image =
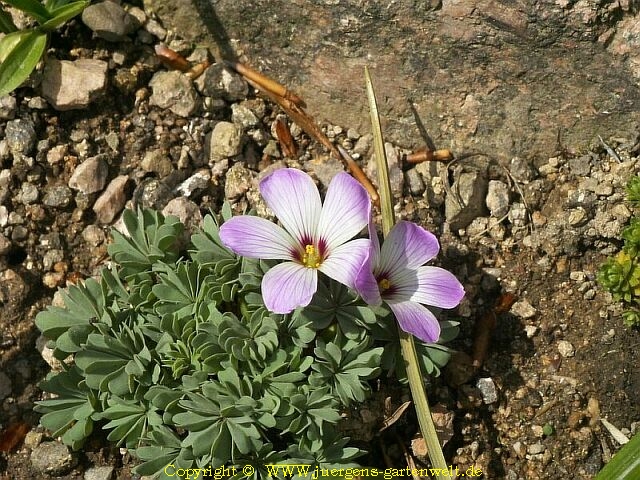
column 566, row 349
column 488, row 390
column 523, row 309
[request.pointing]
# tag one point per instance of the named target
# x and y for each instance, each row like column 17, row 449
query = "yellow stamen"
column 311, row 257
column 384, row 284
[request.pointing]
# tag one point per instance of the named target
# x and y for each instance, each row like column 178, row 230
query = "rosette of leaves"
column 620, row 275
column 177, row 358
column 175, row 355
column 345, row 365
column 21, row 50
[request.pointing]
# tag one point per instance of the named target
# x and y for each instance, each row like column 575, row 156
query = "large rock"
column 109, row 21
column 73, row 85
column 505, row 78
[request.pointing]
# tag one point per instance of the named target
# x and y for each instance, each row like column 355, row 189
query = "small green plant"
column 21, row 50
column 620, row 275
column 178, row 358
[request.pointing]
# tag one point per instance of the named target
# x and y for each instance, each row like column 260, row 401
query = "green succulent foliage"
column 177, row 358
column 620, row 275
column 21, row 50
column 72, row 414
column 633, row 191
column 345, row 366
column 432, row 357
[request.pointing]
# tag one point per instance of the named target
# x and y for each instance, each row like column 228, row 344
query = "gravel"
column 144, row 136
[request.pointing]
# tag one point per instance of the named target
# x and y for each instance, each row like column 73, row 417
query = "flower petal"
column 255, row 237
column 346, row 210
column 287, row 286
column 294, row 199
column 366, row 284
column 416, row 320
column 437, row 287
column 375, row 244
column 345, row 261
column 407, row 246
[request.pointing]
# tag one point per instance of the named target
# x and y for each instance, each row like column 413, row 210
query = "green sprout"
column 620, row 275
column 21, row 50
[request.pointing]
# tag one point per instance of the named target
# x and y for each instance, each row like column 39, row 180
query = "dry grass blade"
column 304, row 121
column 171, row 59
column 428, row 155
column 388, row 217
column 287, row 144
column 395, row 416
column 267, row 83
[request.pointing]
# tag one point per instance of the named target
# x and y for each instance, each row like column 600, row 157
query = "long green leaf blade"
column 31, row 7
column 625, row 465
column 63, row 14
column 21, row 61
column 6, row 22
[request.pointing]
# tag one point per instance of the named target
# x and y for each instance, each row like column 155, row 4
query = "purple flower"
column 395, row 274
column 313, row 236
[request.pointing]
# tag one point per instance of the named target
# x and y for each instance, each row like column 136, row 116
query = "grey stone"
column 4, row 216
column 325, row 169
column 52, row 458
column 488, row 390
column 21, row 136
column 8, row 106
column 93, row 235
column 158, row 162
column 536, row 449
column 73, row 85
column 109, row 21
column 195, row 184
column 37, row 103
column 99, row 473
column 238, row 181
column 243, row 116
column 414, row 180
column 28, row 194
column 154, row 28
column 578, row 217
column 363, row 145
column 112, row 140
column 59, row 196
column 5, row 245
column 5, row 386
column 189, row 214
column 152, row 193
column 219, row 82
column 580, row 166
column 498, row 198
column 225, row 141
column 396, row 177
column 56, row 154
column 466, row 200
column 174, row 91
column 51, row 257
column 112, row 200
column 90, row 176
column 523, row 309
column 566, row 349
column 518, row 214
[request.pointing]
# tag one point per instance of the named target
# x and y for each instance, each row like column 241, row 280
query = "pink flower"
column 313, row 237
column 396, row 275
